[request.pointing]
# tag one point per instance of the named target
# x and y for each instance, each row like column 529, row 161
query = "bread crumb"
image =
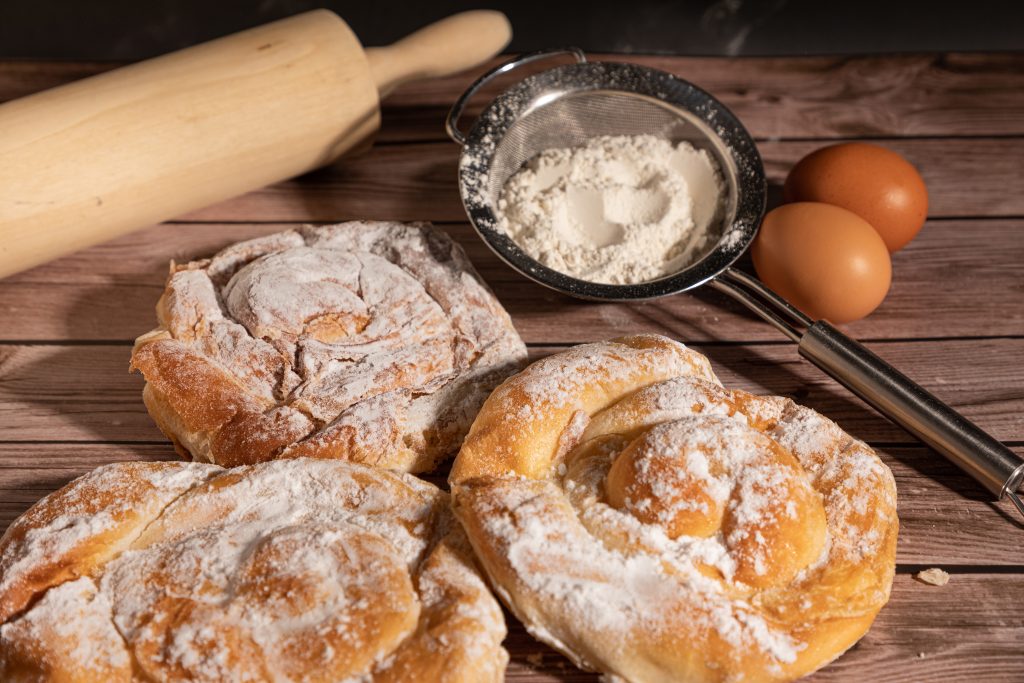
column 921, row 655
column 535, row 659
column 933, row 577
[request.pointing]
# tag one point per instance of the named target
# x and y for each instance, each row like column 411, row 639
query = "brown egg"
column 825, row 260
column 875, row 183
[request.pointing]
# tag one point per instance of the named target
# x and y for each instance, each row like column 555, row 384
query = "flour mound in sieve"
column 619, row 210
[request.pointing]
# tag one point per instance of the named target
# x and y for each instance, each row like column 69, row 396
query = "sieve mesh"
column 569, row 105
column 572, row 119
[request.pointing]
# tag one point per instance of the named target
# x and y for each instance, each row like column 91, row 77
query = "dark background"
column 134, row 29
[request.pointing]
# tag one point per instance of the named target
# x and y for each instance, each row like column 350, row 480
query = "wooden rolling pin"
column 87, row 161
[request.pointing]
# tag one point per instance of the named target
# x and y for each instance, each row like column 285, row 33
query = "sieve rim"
column 718, row 123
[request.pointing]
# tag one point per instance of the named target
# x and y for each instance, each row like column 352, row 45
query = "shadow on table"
column 385, row 182
column 74, row 393
column 530, row 658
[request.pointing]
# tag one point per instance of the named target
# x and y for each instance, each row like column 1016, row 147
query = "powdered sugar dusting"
column 859, row 493
column 321, row 320
column 559, row 380
column 274, row 571
column 725, row 514
column 629, row 594
column 74, row 619
column 114, row 502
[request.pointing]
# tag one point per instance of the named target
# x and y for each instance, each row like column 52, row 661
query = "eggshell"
column 875, row 183
column 827, row 261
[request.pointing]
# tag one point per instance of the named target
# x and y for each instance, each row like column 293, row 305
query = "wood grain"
column 954, row 319
column 809, row 97
column 85, row 393
column 945, row 519
column 958, row 278
column 416, row 181
column 969, row 629
column 972, row 624
column 136, row 146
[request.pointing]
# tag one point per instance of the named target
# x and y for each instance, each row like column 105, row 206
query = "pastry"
column 291, row 570
column 366, row 341
column 655, row 526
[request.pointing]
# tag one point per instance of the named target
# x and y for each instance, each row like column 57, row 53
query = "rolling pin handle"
column 456, row 43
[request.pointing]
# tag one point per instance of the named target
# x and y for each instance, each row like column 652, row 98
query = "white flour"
column 620, row 210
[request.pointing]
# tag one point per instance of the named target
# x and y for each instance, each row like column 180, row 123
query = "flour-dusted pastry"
column 292, row 570
column 366, row 341
column 654, row 526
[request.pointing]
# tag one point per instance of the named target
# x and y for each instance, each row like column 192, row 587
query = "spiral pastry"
column 370, row 342
column 293, row 570
column 655, row 526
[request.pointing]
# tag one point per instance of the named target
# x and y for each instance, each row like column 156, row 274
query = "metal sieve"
column 567, row 105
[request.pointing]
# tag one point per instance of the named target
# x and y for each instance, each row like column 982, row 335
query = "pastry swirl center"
column 704, row 475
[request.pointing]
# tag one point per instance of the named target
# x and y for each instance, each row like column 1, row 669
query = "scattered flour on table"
column 619, row 210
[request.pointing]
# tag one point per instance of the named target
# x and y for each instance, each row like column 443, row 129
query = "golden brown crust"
column 370, row 342
column 539, row 412
column 85, row 525
column 45, row 644
column 654, row 526
column 290, row 570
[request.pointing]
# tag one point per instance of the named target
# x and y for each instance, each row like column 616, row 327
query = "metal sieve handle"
column 884, row 388
column 451, row 124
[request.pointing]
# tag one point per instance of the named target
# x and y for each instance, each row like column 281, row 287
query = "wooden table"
column 954, row 319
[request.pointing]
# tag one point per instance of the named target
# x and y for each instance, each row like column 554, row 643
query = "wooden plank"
column 804, row 97
column 919, row 620
column 945, row 518
column 958, row 278
column 85, row 393
column 29, row 471
column 970, row 629
column 71, row 393
column 974, row 618
column 780, row 97
column 965, row 177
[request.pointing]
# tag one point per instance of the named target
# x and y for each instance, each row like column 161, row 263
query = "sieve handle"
column 907, row 404
column 451, row 124
column 884, row 388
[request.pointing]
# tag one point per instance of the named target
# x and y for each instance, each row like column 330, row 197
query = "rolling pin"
column 87, row 161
